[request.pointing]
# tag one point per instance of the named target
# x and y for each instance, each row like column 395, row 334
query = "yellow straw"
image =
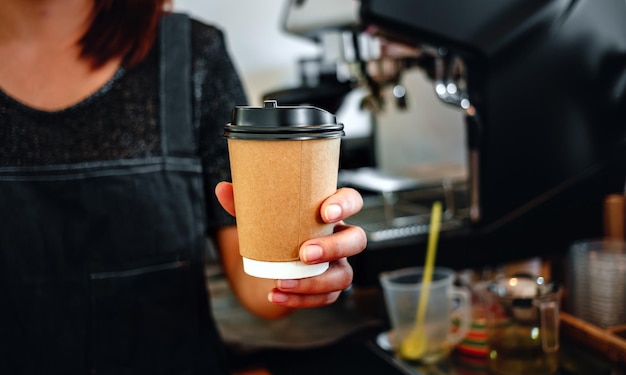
column 414, row 344
column 433, row 236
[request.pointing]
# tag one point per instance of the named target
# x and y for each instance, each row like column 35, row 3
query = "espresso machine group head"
column 542, row 85
column 544, row 92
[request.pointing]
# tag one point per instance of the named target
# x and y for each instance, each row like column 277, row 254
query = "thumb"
column 224, row 194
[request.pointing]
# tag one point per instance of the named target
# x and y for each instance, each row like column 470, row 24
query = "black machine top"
column 470, row 26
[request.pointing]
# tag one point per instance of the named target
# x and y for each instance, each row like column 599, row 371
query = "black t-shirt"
column 121, row 120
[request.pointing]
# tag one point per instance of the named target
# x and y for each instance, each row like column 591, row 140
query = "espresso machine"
column 542, row 88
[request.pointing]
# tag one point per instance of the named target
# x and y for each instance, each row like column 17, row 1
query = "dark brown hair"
column 125, row 28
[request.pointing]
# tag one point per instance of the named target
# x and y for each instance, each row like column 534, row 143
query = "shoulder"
column 211, row 53
column 207, row 38
column 202, row 29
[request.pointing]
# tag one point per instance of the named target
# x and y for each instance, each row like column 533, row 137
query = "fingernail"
column 287, row 284
column 312, row 253
column 277, row 297
column 333, row 212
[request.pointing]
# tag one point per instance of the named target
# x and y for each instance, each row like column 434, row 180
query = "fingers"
column 348, row 240
column 224, row 194
column 344, row 203
column 314, row 291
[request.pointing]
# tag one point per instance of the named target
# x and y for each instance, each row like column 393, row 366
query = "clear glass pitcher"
column 523, row 325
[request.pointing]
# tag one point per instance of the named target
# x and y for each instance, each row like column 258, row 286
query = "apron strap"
column 177, row 135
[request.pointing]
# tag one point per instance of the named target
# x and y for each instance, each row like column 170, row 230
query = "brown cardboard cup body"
column 279, row 186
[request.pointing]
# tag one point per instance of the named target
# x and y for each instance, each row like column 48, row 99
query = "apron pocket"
column 144, row 320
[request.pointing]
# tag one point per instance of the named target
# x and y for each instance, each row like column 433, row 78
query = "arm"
column 276, row 298
column 251, row 292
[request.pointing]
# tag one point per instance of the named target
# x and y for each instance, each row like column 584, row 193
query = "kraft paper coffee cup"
column 284, row 163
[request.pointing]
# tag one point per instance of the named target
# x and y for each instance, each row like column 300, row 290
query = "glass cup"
column 597, row 281
column 523, row 325
column 402, row 289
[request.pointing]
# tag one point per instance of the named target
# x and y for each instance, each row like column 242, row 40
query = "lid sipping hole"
column 270, row 104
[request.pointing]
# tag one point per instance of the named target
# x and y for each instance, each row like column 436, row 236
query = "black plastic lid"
column 284, row 122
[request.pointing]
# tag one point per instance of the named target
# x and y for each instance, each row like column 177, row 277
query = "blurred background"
column 512, row 113
column 428, row 131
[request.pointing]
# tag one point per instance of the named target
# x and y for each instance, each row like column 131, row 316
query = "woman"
column 111, row 160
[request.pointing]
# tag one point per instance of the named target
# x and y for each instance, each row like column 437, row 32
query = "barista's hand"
column 346, row 241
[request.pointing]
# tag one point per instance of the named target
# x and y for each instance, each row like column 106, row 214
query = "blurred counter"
column 342, row 339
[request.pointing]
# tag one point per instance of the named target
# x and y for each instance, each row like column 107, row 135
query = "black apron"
column 101, row 262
